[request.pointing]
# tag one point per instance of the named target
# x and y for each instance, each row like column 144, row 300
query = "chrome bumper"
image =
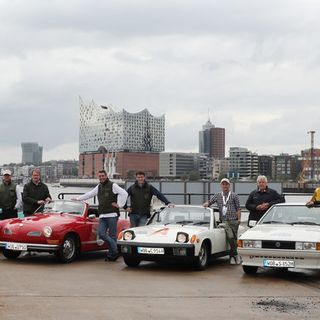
column 33, row 246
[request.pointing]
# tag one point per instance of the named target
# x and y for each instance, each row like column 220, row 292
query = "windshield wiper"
column 273, row 221
column 180, row 222
column 306, row 222
column 202, row 222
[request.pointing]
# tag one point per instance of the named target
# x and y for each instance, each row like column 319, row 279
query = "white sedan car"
column 185, row 233
column 287, row 236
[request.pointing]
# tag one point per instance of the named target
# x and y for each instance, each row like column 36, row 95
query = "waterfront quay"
column 37, row 286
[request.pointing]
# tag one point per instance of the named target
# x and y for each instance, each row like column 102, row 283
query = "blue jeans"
column 137, row 220
column 110, row 237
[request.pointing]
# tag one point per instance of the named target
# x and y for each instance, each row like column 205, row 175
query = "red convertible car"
column 63, row 227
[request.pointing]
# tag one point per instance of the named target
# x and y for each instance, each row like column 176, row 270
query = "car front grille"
column 278, row 245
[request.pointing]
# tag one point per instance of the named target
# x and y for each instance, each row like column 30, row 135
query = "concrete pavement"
column 38, row 287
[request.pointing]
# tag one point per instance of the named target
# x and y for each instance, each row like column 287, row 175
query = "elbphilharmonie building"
column 116, row 131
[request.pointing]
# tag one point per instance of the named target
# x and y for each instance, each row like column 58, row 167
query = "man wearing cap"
column 230, row 214
column 10, row 197
column 35, row 194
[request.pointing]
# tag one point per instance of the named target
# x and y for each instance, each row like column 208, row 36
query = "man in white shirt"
column 111, row 197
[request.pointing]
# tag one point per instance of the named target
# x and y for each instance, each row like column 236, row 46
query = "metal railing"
column 187, row 197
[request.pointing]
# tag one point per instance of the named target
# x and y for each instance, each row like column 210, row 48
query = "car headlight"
column 252, row 244
column 306, row 246
column 182, row 237
column 128, row 235
column 47, row 231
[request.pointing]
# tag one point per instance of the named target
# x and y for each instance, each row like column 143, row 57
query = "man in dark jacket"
column 35, row 193
column 261, row 199
column 141, row 193
column 10, row 197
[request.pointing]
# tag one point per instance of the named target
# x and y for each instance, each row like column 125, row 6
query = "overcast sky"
column 255, row 65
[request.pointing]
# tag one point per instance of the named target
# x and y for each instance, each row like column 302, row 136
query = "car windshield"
column 292, row 215
column 182, row 215
column 65, row 206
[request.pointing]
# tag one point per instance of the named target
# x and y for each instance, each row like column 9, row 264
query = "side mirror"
column 252, row 223
column 91, row 216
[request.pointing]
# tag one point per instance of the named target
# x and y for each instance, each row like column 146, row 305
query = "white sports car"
column 185, row 233
column 287, row 236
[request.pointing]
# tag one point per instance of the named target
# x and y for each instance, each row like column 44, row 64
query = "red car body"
column 65, row 228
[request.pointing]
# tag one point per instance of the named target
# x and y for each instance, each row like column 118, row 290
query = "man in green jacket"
column 10, row 197
column 35, row 194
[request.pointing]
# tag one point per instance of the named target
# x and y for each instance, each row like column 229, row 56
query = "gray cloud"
column 253, row 64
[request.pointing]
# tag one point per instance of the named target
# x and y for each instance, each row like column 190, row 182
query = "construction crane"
column 312, row 132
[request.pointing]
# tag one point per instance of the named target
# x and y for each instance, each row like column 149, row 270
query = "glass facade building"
column 31, row 153
column 102, row 126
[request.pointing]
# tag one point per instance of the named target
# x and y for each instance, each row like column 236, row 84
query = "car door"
column 91, row 241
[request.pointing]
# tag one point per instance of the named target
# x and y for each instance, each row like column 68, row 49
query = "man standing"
column 10, row 197
column 35, row 194
column 111, row 197
column 141, row 193
column 261, row 199
column 230, row 215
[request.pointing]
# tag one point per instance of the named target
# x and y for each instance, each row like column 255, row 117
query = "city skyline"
column 253, row 65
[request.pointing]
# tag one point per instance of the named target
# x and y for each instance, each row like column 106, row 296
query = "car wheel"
column 69, row 249
column 250, row 269
column 203, row 258
column 10, row 254
column 131, row 262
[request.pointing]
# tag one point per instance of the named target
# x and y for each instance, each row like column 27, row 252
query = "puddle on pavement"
column 285, row 305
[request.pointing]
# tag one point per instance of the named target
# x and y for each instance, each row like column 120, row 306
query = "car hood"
column 164, row 233
column 37, row 222
column 283, row 232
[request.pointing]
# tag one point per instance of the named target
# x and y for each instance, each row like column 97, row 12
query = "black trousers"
column 8, row 213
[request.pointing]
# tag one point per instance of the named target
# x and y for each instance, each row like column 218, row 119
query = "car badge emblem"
column 278, row 244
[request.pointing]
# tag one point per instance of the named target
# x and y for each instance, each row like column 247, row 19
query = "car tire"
column 202, row 259
column 68, row 250
column 11, row 254
column 131, row 262
column 250, row 269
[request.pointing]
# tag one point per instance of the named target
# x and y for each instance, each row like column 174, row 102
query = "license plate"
column 278, row 263
column 16, row 246
column 150, row 250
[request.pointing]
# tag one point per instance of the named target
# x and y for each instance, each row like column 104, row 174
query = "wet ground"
column 38, row 287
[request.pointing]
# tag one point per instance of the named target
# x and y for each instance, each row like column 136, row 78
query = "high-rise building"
column 243, row 163
column 212, row 141
column 179, row 164
column 266, row 166
column 31, row 153
column 220, row 168
column 287, row 167
column 176, row 164
column 102, row 126
column 310, row 165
